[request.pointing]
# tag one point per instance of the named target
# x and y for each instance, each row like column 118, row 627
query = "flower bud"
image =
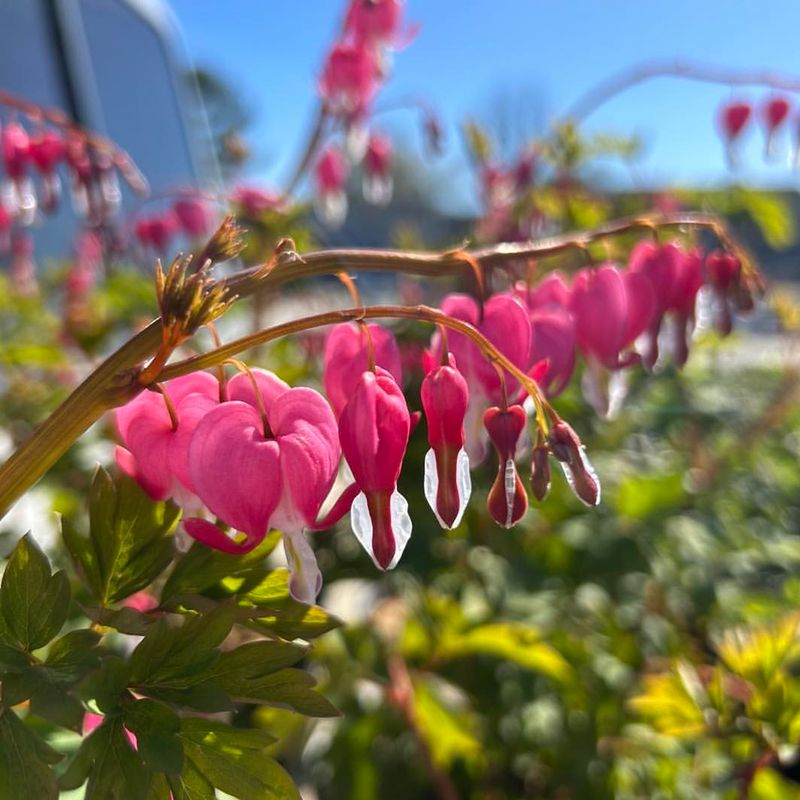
column 540, row 472
column 570, row 452
column 507, row 501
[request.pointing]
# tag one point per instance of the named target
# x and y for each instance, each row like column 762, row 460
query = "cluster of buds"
column 354, row 70
column 735, row 117
column 190, row 215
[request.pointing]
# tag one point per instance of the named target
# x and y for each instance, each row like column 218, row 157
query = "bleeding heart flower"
column 507, row 501
column 16, row 150
column 611, row 309
column 154, row 453
column 373, row 430
column 378, row 170
column 723, row 275
column 374, row 22
column 347, row 358
column 254, row 202
column 448, row 485
column 775, row 112
column 553, row 353
column 566, row 447
column 194, row 215
column 283, row 469
column 47, row 150
column 331, row 176
column 506, row 324
column 551, row 291
column 350, row 79
column 733, row 118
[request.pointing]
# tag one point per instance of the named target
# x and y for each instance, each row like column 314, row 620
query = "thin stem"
column 310, row 150
column 601, row 93
column 418, row 313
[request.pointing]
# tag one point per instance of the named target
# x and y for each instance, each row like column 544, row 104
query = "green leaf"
column 124, row 620
column 282, row 614
column 507, row 640
column 24, row 759
column 156, row 728
column 130, row 542
column 287, row 688
column 107, row 686
column 201, row 569
column 116, row 772
column 191, row 785
column 449, row 732
column 177, row 656
column 234, row 761
column 34, row 603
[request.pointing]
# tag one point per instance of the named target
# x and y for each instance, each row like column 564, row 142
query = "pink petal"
column 209, row 534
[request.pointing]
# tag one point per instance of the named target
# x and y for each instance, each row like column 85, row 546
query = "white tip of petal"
column 361, row 523
column 587, row 465
column 332, row 208
column 463, row 483
column 305, row 579
column 378, row 189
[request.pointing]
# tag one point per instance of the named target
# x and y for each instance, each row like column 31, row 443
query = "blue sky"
column 542, row 53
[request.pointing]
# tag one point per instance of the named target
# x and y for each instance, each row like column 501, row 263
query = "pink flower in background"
column 254, row 202
column 194, row 216
column 350, row 79
column 47, row 151
column 374, row 430
column 156, row 232
column 551, row 291
column 330, row 176
column 774, row 113
column 346, row 358
column 256, row 474
column 611, row 309
column 553, row 352
column 153, row 452
column 16, row 150
column 507, row 501
column 448, row 486
column 733, row 119
column 723, row 271
column 375, row 22
column 378, row 170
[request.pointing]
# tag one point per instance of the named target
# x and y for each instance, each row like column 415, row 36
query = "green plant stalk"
column 115, row 381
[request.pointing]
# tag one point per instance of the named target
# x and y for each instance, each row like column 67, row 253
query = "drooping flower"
column 156, row 231
column 47, row 151
column 507, row 501
column 611, row 309
column 253, row 202
column 552, row 291
column 378, row 181
column 155, row 452
column 775, row 112
column 18, row 189
column 373, row 430
column 553, row 352
column 506, row 324
column 346, row 358
column 374, row 22
column 331, row 176
column 259, row 472
column 448, row 486
column 723, row 272
column 194, row 216
column 733, row 119
column 350, row 79
column 566, row 447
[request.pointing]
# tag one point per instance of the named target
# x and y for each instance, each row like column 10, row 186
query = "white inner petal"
column 361, row 524
column 510, row 484
column 463, row 485
column 305, row 579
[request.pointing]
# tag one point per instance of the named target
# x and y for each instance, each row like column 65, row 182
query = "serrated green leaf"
column 156, row 728
column 226, row 759
column 287, row 688
column 24, row 759
column 34, row 603
column 177, row 656
column 282, row 615
column 116, row 771
column 130, row 538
